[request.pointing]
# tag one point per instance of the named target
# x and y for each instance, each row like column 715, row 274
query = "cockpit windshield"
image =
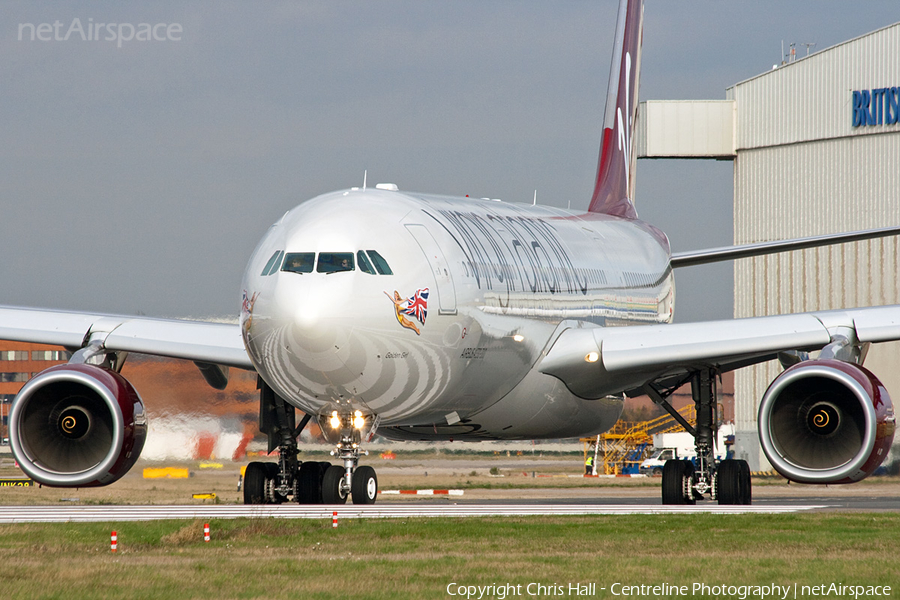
column 273, row 264
column 299, row 262
column 364, row 265
column 380, row 264
column 334, row 262
column 369, row 261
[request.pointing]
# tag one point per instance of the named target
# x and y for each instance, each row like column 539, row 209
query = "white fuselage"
column 445, row 345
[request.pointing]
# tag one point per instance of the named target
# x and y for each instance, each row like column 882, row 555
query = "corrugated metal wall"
column 802, row 169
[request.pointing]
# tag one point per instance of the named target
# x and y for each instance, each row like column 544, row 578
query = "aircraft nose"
column 314, row 312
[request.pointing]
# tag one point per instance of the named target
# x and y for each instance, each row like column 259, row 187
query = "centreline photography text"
column 500, row 591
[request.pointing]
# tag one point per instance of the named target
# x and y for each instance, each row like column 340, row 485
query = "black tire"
column 323, row 467
column 657, row 472
column 364, row 488
column 331, row 486
column 728, row 482
column 309, row 483
column 255, row 483
column 673, row 476
column 746, row 496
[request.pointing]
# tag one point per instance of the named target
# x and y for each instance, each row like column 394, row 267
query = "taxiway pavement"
column 102, row 514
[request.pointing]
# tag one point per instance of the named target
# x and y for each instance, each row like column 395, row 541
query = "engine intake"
column 77, row 426
column 826, row 421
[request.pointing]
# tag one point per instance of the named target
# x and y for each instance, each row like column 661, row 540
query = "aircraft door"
column 439, row 268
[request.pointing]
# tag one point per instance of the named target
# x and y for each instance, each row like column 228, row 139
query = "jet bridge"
column 686, row 129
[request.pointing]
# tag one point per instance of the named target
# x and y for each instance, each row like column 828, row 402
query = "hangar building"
column 816, row 150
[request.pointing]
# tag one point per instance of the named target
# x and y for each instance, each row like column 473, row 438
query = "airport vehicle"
column 426, row 317
column 653, row 464
column 681, row 446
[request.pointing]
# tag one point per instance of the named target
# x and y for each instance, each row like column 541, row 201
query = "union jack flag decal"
column 417, row 305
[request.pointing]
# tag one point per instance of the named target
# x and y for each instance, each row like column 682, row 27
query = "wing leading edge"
column 598, row 361
column 199, row 341
column 725, row 253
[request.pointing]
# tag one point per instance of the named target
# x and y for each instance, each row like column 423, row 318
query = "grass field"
column 419, row 558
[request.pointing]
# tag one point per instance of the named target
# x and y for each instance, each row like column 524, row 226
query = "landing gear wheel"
column 323, row 467
column 690, row 478
column 272, row 496
column 255, row 483
column 309, row 483
column 365, row 486
column 332, row 492
column 677, row 477
column 728, row 482
column 746, row 485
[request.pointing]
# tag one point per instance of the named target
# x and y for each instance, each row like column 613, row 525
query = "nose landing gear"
column 349, row 481
column 359, row 483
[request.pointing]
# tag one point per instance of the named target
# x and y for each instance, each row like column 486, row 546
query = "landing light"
column 518, row 337
column 358, row 420
column 592, row 357
column 335, row 420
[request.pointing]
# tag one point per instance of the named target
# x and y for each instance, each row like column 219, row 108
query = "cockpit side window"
column 334, row 262
column 380, row 264
column 273, row 263
column 299, row 262
column 364, row 265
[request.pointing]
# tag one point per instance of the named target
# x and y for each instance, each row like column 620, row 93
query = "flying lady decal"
column 415, row 306
column 247, row 310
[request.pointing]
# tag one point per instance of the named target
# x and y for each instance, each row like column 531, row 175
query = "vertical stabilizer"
column 614, row 187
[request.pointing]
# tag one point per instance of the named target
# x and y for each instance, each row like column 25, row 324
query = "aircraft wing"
column 199, row 341
column 711, row 255
column 587, row 359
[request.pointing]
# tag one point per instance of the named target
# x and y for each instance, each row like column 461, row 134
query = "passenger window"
column 334, row 262
column 364, row 265
column 380, row 264
column 273, row 263
column 299, row 262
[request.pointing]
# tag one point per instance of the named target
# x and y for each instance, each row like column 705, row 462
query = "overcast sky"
column 138, row 179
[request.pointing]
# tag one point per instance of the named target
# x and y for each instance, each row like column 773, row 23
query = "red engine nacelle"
column 77, row 426
column 826, row 421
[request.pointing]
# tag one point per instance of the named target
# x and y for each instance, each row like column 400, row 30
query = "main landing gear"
column 684, row 481
column 308, row 482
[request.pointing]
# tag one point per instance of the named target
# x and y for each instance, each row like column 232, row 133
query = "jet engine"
column 77, row 425
column 826, row 421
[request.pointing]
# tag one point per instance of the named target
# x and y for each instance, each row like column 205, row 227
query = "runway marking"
column 424, row 492
column 97, row 514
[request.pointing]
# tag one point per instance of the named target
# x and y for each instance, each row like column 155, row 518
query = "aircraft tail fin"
column 614, row 186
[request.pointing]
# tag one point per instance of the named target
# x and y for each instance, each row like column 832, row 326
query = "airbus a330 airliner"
column 427, row 317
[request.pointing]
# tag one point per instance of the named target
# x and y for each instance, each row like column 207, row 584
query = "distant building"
column 19, row 362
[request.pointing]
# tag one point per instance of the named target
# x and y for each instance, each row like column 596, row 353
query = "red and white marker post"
column 334, row 520
column 206, row 532
column 113, row 541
